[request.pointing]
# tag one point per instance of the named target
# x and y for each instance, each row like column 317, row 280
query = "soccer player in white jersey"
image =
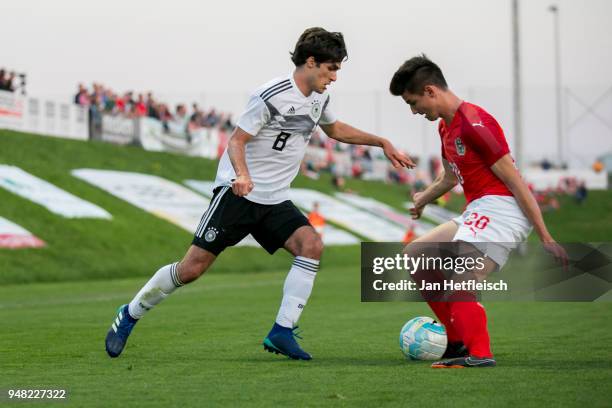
column 251, row 193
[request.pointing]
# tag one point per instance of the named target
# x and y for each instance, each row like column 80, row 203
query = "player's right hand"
column 242, row 185
column 417, row 209
column 398, row 159
column 558, row 252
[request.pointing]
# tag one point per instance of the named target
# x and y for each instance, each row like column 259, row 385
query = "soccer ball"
column 422, row 338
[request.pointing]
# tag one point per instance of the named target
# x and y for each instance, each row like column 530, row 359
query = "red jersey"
column 472, row 143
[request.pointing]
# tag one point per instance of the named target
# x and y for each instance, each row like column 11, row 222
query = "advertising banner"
column 153, row 194
column 13, row 236
column 354, row 219
column 46, row 194
column 118, row 129
column 158, row 196
column 387, row 212
column 46, row 118
column 11, row 110
column 154, row 136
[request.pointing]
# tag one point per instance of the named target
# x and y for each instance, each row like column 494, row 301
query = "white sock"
column 164, row 282
column 296, row 291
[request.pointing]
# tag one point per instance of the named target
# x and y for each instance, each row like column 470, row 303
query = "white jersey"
column 281, row 120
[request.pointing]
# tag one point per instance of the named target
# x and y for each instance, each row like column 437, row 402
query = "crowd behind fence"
column 102, row 100
column 144, row 120
column 12, row 81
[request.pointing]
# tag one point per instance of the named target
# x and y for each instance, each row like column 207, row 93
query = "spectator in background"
column 435, row 167
column 120, row 104
column 6, row 81
column 152, row 106
column 95, row 114
column 356, row 169
column 99, row 95
column 567, row 185
column 81, row 97
column 197, row 116
column 212, row 119
column 547, row 201
column 165, row 116
column 338, row 182
column 126, row 103
column 581, row 192
column 310, row 167
column 140, row 108
column 420, row 182
column 366, row 161
column 195, row 122
column 316, row 219
column 227, row 124
column 410, row 235
column 109, row 101
column 181, row 117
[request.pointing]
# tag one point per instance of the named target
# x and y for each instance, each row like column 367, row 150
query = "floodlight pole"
column 555, row 10
column 516, row 71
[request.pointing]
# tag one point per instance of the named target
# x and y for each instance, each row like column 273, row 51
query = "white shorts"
column 495, row 225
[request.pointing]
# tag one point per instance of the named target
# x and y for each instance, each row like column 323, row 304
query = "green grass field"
column 202, row 346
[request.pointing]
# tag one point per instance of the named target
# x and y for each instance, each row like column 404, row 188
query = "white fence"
column 43, row 117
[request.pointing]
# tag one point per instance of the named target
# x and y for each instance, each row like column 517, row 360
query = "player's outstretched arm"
column 242, row 185
column 505, row 170
column 445, row 182
column 343, row 132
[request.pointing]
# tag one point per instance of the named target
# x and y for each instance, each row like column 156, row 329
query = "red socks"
column 462, row 316
column 469, row 319
column 443, row 312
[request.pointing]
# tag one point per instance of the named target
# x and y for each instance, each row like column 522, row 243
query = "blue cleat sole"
column 271, row 348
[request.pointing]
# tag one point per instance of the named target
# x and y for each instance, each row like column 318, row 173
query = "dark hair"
column 321, row 44
column 414, row 74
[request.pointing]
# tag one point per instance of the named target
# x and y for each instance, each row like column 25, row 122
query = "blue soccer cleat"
column 282, row 340
column 117, row 336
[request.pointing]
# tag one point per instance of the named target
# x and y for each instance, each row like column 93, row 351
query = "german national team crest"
column 211, row 234
column 460, row 147
column 315, row 111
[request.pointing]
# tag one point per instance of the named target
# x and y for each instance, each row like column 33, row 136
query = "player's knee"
column 312, row 247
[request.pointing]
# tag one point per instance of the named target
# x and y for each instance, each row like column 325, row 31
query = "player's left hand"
column 557, row 251
column 418, row 206
column 397, row 158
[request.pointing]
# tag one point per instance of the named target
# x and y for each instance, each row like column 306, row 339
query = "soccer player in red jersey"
column 500, row 208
